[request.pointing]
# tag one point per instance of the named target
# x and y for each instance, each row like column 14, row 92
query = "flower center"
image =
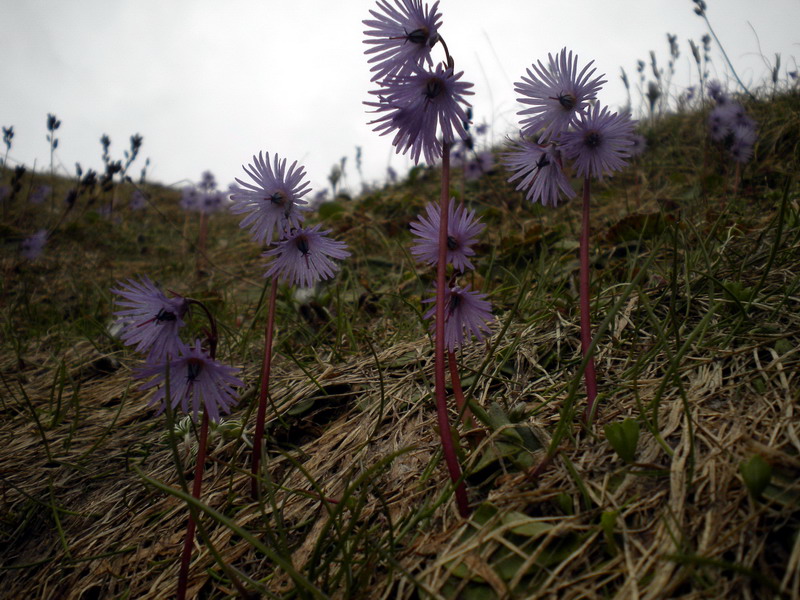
column 165, row 315
column 454, row 303
column 302, row 245
column 433, row 88
column 193, row 367
column 277, row 199
column 543, row 161
column 592, row 139
column 567, row 100
column 418, row 36
column 452, row 243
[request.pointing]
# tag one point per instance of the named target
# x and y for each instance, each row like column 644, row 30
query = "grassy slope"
column 700, row 351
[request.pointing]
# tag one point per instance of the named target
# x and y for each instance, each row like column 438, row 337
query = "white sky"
column 208, row 83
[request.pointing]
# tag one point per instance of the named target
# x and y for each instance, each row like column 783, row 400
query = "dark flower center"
column 592, row 139
column 302, row 245
column 433, row 88
column 193, row 367
column 454, row 303
column 452, row 243
column 277, row 198
column 567, row 100
column 543, row 161
column 165, row 315
column 418, row 36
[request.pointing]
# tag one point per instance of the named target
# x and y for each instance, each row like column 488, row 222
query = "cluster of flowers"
column 422, row 105
column 565, row 121
column 151, row 321
column 204, row 197
column 274, row 209
column 467, row 312
column 730, row 125
column 475, row 163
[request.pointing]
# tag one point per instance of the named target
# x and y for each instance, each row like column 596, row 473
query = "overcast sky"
column 208, row 83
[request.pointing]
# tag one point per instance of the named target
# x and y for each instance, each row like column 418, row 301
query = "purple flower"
column 478, row 166
column 137, row 201
column 274, row 201
column 462, row 231
column 32, row 247
column 420, row 107
column 303, row 256
column 207, row 181
column 212, row 201
column 639, row 145
column 743, row 140
column 194, row 378
column 190, row 198
column 600, row 142
column 541, row 171
column 404, row 36
column 556, row 94
column 714, row 89
column 151, row 320
column 466, row 314
column 40, row 194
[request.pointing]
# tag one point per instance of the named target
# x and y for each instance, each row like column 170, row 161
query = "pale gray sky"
column 208, row 83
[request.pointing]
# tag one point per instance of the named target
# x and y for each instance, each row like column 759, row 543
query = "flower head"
column 556, row 94
column 422, row 106
column 462, row 231
column 404, row 35
column 190, row 198
column 303, row 256
column 274, row 202
column 151, row 319
column 194, row 379
column 541, row 171
column 466, row 314
column 478, row 166
column 32, row 247
column 138, row 200
column 600, row 142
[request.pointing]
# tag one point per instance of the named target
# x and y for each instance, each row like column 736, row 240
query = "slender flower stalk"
column 453, row 468
column 458, row 392
column 589, row 373
column 264, row 392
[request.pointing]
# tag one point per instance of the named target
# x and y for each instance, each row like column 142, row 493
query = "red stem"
column 197, row 483
column 448, row 448
column 458, row 393
column 265, row 370
column 586, row 324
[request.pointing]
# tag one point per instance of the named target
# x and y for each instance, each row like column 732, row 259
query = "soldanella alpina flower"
column 304, row 256
column 195, row 380
column 540, row 168
column 467, row 314
column 401, row 35
column 151, row 320
column 462, row 231
column 556, row 94
column 423, row 109
column 32, row 247
column 273, row 203
column 599, row 142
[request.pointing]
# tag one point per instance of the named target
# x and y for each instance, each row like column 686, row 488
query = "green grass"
column 695, row 304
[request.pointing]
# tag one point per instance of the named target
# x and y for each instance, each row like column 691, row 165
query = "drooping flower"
column 743, row 140
column 303, row 256
column 422, row 108
column 195, row 379
column 555, row 94
column 639, row 145
column 274, row 202
column 541, row 171
column 207, row 181
column 32, row 247
column 404, row 35
column 151, row 320
column 466, row 314
column 599, row 143
column 462, row 231
column 39, row 194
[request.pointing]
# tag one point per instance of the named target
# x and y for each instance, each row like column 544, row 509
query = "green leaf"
column 624, row 438
column 757, row 474
column 522, row 524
